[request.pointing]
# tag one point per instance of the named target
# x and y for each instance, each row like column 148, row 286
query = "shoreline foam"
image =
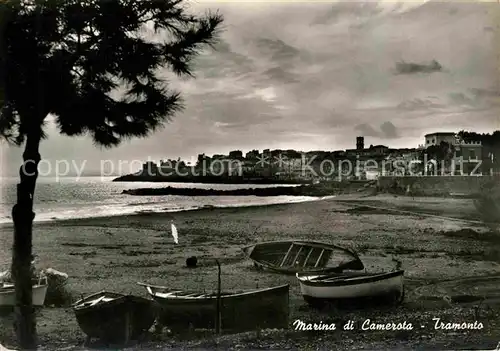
column 289, row 200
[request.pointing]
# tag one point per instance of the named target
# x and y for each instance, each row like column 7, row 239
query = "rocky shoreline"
column 206, row 179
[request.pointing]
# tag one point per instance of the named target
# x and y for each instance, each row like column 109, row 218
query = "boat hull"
column 8, row 296
column 357, row 286
column 261, row 309
column 125, row 318
column 297, row 256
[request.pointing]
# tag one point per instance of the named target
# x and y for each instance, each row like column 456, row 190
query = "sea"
column 86, row 197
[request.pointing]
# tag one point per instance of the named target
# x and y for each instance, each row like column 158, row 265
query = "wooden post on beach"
column 127, row 330
column 218, row 309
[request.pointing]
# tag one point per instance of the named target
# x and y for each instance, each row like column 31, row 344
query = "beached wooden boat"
column 295, row 256
column 259, row 309
column 113, row 317
column 8, row 294
column 351, row 285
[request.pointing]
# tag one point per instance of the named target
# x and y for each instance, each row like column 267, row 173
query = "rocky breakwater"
column 317, row 190
column 207, row 179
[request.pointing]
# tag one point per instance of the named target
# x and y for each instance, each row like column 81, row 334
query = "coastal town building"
column 468, row 154
column 437, row 138
column 225, row 167
column 360, row 143
column 252, row 154
column 491, row 157
column 361, row 151
column 149, row 168
column 167, row 167
column 236, row 155
column 377, row 150
column 219, row 157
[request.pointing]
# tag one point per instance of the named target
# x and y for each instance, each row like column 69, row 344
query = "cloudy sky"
column 313, row 76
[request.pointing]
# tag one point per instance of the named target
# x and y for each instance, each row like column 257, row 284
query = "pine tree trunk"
column 23, row 215
column 4, row 18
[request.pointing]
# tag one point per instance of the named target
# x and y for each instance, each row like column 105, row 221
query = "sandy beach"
column 115, row 253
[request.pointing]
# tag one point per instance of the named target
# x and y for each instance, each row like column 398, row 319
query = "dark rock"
column 325, row 189
column 191, row 262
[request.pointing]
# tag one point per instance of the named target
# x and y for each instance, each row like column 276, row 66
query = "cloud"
column 480, row 99
column 412, row 68
column 367, row 130
column 427, row 103
column 387, row 130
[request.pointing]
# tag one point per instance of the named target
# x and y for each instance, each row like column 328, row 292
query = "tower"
column 360, row 143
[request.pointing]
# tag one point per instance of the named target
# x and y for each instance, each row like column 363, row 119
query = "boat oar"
column 218, row 311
